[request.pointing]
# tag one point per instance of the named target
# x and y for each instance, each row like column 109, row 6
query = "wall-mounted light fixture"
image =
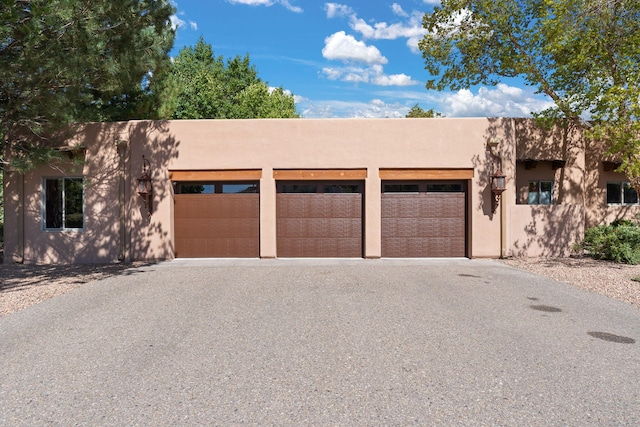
column 497, row 187
column 145, row 186
column 498, row 179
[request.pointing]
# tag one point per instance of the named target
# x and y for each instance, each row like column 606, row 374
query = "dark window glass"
column 53, row 203
column 444, row 188
column 614, row 192
column 73, row 214
column 217, row 187
column 197, row 188
column 401, row 188
column 342, row 188
column 299, row 188
column 533, row 197
column 629, row 195
column 546, row 191
column 239, row 188
column 64, row 203
column 540, row 193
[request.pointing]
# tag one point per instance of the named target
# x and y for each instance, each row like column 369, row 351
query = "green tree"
column 417, row 112
column 199, row 85
column 583, row 54
column 68, row 61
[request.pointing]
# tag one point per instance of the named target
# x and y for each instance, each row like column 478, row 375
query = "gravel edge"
column 602, row 277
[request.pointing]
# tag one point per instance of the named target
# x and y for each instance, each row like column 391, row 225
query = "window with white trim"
column 63, row 203
column 621, row 193
column 540, row 193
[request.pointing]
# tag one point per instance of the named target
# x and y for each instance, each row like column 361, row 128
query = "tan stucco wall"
column 544, row 230
column 117, row 225
column 100, row 241
column 311, row 144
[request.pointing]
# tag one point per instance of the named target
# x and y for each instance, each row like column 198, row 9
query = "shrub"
column 619, row 242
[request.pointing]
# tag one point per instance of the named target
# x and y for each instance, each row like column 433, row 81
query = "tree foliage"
column 417, row 112
column 583, row 54
column 199, row 85
column 66, row 61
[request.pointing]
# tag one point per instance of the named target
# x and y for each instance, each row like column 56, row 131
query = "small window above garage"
column 423, row 187
column 216, row 187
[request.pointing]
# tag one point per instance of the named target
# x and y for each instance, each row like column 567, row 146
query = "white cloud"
column 398, row 10
column 410, row 27
column 431, row 2
column 376, row 108
column 394, row 80
column 382, row 30
column 343, row 47
column 373, row 74
column 501, row 101
column 176, row 22
column 335, row 9
column 332, row 73
column 267, row 3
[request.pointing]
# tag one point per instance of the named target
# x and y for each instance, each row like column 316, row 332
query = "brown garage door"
column 214, row 220
column 319, row 219
column 424, row 219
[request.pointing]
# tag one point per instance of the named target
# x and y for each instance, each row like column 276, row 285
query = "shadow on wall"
column 116, row 226
column 542, row 230
column 487, row 164
column 150, row 237
column 563, row 144
column 100, row 167
column 545, row 231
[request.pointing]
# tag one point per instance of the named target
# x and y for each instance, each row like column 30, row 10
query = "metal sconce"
column 497, row 187
column 145, row 186
column 498, row 179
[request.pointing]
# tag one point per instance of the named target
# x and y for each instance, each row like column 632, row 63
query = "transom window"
column 319, row 187
column 216, row 187
column 540, row 193
column 621, row 193
column 422, row 187
column 63, row 203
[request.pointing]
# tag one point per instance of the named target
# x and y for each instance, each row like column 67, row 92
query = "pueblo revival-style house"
column 363, row 188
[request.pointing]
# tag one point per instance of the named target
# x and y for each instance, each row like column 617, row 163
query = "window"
column 540, row 193
column 621, row 193
column 216, row 187
column 422, row 187
column 63, row 203
column 339, row 187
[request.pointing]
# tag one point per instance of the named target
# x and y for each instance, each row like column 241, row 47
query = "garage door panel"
column 216, row 205
column 319, row 206
column 319, row 224
column 425, row 227
column 424, row 224
column 213, row 247
column 416, row 247
column 320, row 247
column 319, row 227
column 217, row 225
column 409, row 206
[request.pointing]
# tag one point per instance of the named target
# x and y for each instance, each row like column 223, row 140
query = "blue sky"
column 354, row 58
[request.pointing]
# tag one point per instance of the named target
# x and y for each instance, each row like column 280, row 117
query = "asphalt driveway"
column 322, row 342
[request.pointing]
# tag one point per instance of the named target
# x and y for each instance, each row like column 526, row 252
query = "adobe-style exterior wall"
column 274, row 144
column 117, row 226
column 100, row 241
